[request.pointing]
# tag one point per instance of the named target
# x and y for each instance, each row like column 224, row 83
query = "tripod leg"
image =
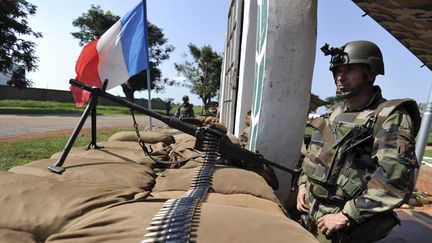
column 57, row 167
column 93, row 130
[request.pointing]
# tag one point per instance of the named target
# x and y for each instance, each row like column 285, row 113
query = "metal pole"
column 148, row 66
column 93, row 121
column 149, row 95
column 424, row 131
column 57, row 167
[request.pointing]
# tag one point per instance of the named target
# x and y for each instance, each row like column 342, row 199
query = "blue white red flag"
column 117, row 55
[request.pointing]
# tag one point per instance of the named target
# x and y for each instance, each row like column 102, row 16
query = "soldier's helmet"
column 359, row 51
column 185, row 98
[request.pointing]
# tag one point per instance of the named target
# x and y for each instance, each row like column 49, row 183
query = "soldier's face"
column 348, row 77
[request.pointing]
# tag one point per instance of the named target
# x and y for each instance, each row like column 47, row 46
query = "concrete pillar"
column 285, row 53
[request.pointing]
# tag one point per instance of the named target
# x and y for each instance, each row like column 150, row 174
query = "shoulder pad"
column 388, row 107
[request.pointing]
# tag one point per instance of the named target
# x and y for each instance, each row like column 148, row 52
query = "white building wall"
column 229, row 82
column 247, row 65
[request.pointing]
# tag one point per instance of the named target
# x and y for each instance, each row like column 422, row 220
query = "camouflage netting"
column 408, row 21
column 111, row 195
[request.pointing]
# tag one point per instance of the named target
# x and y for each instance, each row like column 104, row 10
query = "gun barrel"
column 173, row 122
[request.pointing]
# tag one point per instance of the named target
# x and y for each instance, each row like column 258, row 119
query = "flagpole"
column 148, row 67
column 149, row 95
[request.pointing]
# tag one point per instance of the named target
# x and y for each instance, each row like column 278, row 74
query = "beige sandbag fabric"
column 244, row 137
column 146, row 136
column 241, row 200
column 44, row 206
column 13, row 236
column 226, row 180
column 215, row 223
column 183, row 148
column 223, row 223
column 118, row 151
column 210, row 120
column 125, row 223
column 127, row 174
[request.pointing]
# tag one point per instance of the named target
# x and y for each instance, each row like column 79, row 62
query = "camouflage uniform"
column 185, row 110
column 361, row 163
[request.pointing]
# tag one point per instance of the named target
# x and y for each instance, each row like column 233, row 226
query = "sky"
column 204, row 22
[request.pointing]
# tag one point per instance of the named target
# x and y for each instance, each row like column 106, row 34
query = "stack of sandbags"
column 41, row 206
column 231, row 186
column 112, row 194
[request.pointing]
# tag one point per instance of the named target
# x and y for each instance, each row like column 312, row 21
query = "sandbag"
column 226, row 180
column 13, row 236
column 241, row 200
column 210, row 120
column 125, row 223
column 183, row 148
column 223, row 223
column 126, row 174
column 215, row 223
column 118, row 151
column 146, row 136
column 44, row 206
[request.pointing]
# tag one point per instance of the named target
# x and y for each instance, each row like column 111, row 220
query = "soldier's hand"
column 330, row 223
column 301, row 204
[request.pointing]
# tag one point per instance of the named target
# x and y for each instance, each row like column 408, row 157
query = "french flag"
column 117, row 55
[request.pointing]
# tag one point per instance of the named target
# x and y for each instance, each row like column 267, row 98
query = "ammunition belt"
column 177, row 218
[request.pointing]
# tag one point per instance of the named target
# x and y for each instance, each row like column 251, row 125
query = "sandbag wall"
column 112, row 194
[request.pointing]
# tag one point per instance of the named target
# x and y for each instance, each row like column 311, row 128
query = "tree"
column 93, row 24
column 332, row 100
column 96, row 22
column 203, row 73
column 16, row 54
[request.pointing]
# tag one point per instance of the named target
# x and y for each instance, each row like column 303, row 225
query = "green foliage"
column 429, row 141
column 203, row 73
column 427, row 153
column 42, row 148
column 96, row 22
column 93, row 24
column 331, row 101
column 16, row 53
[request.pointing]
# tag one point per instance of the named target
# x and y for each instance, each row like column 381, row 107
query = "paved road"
column 16, row 125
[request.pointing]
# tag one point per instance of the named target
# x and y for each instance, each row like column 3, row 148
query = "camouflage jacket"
column 362, row 161
column 185, row 110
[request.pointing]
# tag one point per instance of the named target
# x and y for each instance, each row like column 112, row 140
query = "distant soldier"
column 185, row 110
column 361, row 160
column 168, row 107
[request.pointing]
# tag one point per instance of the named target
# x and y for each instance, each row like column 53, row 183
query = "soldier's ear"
column 371, row 76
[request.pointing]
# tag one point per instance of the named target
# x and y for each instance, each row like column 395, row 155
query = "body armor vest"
column 340, row 161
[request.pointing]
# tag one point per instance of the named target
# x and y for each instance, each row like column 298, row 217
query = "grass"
column 54, row 107
column 21, row 152
column 427, row 153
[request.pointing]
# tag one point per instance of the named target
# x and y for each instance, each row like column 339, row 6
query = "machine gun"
column 227, row 150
